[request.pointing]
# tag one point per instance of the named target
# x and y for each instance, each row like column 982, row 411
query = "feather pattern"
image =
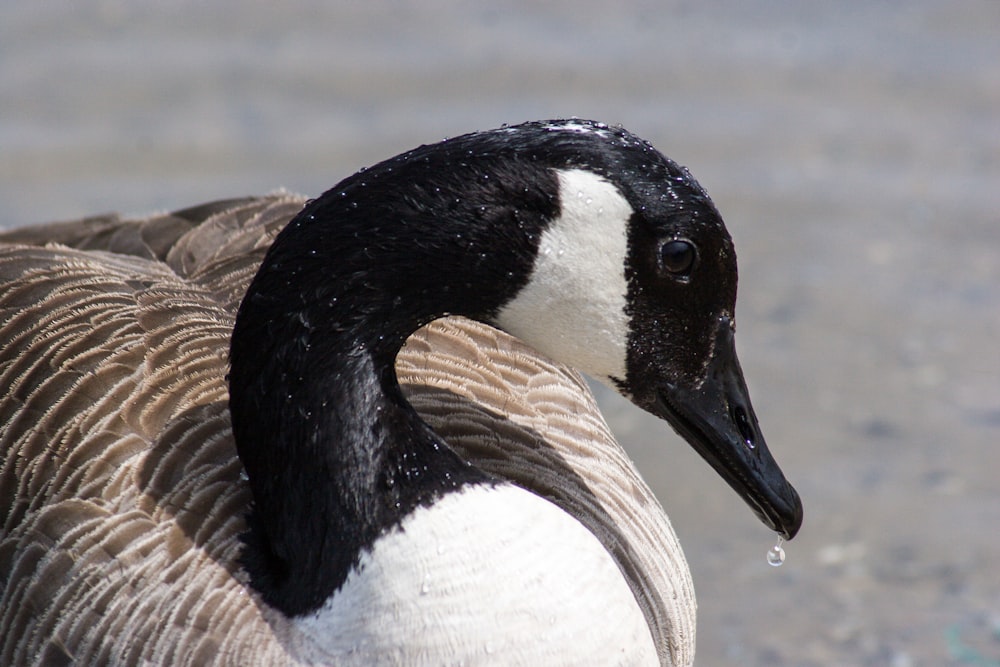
column 122, row 500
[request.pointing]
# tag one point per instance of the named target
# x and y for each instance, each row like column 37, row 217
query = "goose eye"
column 677, row 257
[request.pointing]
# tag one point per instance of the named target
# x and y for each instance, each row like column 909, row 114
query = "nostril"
column 746, row 429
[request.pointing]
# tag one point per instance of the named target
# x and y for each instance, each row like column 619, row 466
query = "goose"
column 351, row 430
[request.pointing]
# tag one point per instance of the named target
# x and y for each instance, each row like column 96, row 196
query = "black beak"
column 716, row 418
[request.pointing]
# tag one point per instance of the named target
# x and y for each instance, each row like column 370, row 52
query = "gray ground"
column 854, row 151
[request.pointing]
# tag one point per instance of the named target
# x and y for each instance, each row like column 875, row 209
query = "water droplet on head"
column 776, row 555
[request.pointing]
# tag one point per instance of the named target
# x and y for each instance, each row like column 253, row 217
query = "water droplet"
column 776, row 555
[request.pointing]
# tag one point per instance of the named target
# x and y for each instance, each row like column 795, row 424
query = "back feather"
column 121, row 497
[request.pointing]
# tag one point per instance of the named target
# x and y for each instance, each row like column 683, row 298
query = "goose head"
column 634, row 283
column 580, row 239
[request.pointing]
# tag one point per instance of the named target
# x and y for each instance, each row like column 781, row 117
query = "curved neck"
column 333, row 452
column 334, row 456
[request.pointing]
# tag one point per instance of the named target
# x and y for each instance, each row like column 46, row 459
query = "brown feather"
column 121, row 497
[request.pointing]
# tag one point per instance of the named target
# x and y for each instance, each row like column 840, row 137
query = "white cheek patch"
column 573, row 307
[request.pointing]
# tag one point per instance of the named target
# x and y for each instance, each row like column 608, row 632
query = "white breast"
column 488, row 574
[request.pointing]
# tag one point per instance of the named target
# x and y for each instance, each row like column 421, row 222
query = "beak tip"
column 781, row 511
column 789, row 532
column 790, row 521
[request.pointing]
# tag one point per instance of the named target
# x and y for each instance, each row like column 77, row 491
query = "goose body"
column 341, row 528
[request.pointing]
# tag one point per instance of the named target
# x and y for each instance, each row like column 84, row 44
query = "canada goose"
column 126, row 536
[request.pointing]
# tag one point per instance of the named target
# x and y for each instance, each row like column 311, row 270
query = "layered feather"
column 121, row 496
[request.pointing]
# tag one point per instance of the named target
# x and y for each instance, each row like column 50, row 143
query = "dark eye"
column 677, row 257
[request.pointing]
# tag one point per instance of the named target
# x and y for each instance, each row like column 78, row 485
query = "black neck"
column 333, row 452
column 334, row 455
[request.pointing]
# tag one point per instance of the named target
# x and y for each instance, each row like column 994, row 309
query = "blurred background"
column 854, row 150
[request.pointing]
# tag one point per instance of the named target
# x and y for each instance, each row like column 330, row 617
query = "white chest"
column 487, row 575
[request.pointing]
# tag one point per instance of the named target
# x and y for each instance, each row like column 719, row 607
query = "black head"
column 676, row 289
column 681, row 360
